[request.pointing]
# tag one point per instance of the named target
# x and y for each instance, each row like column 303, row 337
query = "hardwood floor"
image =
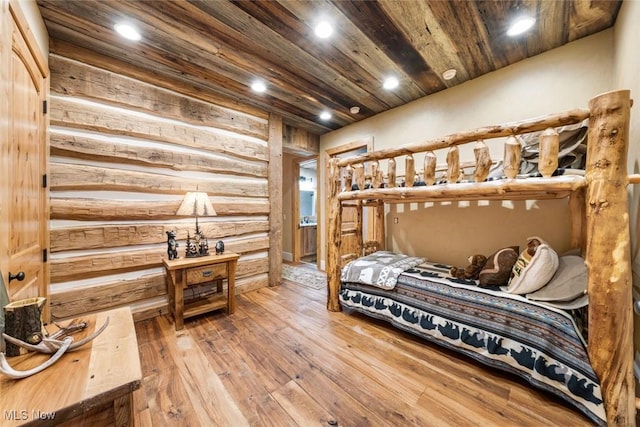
column 283, row 360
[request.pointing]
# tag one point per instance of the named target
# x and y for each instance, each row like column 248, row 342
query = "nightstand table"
column 185, row 272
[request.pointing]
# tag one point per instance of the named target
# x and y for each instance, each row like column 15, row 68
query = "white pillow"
column 531, row 273
column 569, row 282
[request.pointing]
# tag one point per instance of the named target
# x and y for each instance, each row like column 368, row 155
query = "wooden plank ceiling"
column 214, row 50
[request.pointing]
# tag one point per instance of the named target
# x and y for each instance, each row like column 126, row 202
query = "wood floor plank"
column 302, row 408
column 141, row 413
column 291, row 343
column 363, row 377
column 244, row 384
column 381, row 372
column 283, row 360
column 168, row 402
column 210, row 399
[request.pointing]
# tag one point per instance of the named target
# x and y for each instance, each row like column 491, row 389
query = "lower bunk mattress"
column 539, row 343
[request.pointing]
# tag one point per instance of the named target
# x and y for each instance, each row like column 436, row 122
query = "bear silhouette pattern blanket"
column 537, row 342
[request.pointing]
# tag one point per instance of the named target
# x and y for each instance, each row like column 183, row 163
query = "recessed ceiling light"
column 325, row 115
column 354, row 110
column 324, row 30
column 127, row 31
column 390, row 83
column 449, row 74
column 258, row 86
column 521, row 25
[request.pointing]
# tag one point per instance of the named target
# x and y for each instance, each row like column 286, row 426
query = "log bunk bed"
column 598, row 204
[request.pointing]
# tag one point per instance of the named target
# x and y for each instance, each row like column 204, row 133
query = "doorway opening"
column 305, row 212
column 307, row 216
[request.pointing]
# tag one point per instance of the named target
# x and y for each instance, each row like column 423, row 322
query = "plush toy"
column 471, row 271
column 532, row 246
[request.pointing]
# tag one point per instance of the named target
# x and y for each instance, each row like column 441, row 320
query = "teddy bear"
column 471, row 271
column 532, row 245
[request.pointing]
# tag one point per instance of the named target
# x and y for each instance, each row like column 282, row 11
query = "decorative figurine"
column 172, row 245
column 196, row 246
column 219, row 247
column 192, row 248
column 204, row 246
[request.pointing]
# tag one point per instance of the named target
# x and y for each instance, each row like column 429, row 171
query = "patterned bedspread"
column 380, row 269
column 539, row 343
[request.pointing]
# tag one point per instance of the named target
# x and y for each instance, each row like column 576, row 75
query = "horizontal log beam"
column 70, row 113
column 92, row 178
column 120, row 210
column 488, row 132
column 80, row 267
column 510, row 189
column 76, row 301
column 83, row 299
column 155, row 155
column 79, row 80
column 156, row 78
column 110, row 236
column 100, row 264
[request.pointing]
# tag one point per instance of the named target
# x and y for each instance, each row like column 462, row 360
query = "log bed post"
column 391, row 165
column 483, row 161
column 358, row 224
column 512, row 153
column 409, row 171
column 608, row 254
column 358, row 174
column 380, row 234
column 549, row 147
column 453, row 164
column 334, row 237
column 376, row 175
column 348, row 178
column 430, row 167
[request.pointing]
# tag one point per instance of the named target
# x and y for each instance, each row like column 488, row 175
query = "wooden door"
column 24, row 148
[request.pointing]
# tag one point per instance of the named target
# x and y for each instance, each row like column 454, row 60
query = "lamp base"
column 197, row 246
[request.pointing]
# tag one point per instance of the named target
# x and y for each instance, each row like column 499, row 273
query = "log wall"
column 123, row 154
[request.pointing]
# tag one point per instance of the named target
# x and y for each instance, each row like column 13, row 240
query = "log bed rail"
column 598, row 204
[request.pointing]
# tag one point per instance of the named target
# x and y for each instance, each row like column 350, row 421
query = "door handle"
column 20, row 276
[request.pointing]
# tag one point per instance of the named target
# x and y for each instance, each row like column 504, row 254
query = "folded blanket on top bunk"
column 538, row 342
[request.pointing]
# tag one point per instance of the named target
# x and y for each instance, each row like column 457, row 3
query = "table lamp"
column 196, row 203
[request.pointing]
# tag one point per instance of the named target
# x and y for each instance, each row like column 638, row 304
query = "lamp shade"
column 196, row 203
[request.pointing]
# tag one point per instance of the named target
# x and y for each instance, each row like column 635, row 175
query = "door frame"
column 296, row 232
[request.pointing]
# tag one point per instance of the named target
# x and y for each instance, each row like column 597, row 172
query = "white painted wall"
column 627, row 72
column 558, row 80
column 626, row 62
column 36, row 25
